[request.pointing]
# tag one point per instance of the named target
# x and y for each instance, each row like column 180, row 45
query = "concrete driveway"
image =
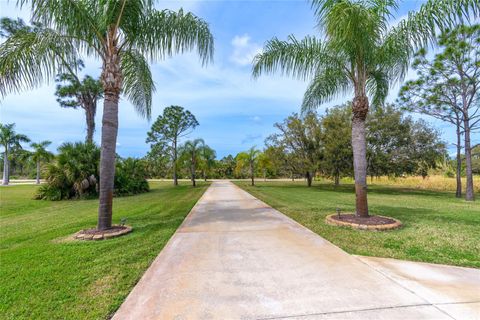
column 234, row 257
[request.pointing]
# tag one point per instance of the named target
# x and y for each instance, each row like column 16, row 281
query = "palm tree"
column 360, row 53
column 39, row 154
column 208, row 157
column 9, row 139
column 250, row 159
column 191, row 151
column 124, row 35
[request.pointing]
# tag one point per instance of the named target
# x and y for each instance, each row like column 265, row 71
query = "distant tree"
column 226, row 167
column 336, row 137
column 301, row 139
column 248, row 159
column 476, row 159
column 39, row 154
column 208, row 161
column 398, row 145
column 360, row 52
column 158, row 161
column 169, row 128
column 74, row 93
column 191, row 152
column 264, row 164
column 448, row 88
column 9, row 139
column 277, row 162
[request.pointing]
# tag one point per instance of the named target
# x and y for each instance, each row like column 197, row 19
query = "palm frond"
column 161, row 34
column 325, row 85
column 298, row 58
column 377, row 87
column 83, row 21
column 29, row 59
column 138, row 84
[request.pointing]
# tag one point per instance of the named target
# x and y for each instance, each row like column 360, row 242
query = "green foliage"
column 447, row 87
column 130, row 177
column 73, row 175
column 9, row 138
column 166, row 132
column 40, row 153
column 225, row 167
column 336, row 139
column 300, row 140
column 190, row 156
column 246, row 162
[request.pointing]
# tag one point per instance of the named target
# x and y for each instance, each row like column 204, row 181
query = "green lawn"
column 437, row 228
column 44, row 277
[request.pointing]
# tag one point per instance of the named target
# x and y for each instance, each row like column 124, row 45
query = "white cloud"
column 243, row 50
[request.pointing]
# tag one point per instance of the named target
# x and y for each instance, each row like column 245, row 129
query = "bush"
column 130, row 176
column 75, row 174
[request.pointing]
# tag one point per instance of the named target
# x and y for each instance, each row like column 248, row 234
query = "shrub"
column 130, row 176
column 73, row 175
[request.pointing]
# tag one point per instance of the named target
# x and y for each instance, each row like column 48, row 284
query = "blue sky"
column 235, row 112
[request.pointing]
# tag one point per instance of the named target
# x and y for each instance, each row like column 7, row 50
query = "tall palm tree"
column 191, row 151
column 360, row 53
column 39, row 154
column 124, row 35
column 9, row 139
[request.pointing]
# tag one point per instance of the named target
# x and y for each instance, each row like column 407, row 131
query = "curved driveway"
column 234, row 257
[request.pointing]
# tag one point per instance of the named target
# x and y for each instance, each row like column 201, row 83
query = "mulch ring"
column 95, row 234
column 351, row 220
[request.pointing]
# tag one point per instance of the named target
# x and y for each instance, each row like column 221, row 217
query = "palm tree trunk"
column 309, row 178
column 112, row 82
column 469, row 196
column 458, row 193
column 175, row 179
column 193, row 175
column 38, row 171
column 251, row 173
column 359, row 146
column 5, row 167
column 90, row 119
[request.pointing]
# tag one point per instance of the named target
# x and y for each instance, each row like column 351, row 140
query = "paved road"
column 234, row 257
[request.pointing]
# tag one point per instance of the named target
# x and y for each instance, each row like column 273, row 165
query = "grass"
column 42, row 276
column 438, row 227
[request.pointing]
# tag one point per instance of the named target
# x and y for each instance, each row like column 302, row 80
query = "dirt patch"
column 364, row 223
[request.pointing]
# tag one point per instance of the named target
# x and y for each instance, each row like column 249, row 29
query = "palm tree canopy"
column 192, row 147
column 9, row 138
column 360, row 51
column 30, row 57
column 40, row 152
